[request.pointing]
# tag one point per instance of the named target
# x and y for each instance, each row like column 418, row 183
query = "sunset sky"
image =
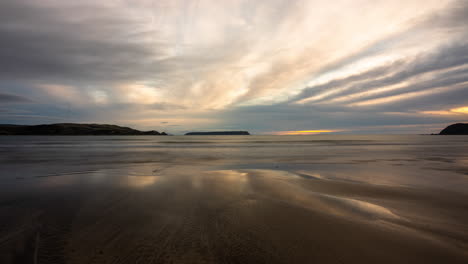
column 266, row 66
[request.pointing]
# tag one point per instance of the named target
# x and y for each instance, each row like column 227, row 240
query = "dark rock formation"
column 455, row 129
column 217, row 133
column 73, row 130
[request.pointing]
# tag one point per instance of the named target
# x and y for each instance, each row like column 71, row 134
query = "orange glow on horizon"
column 305, row 132
column 454, row 111
column 461, row 110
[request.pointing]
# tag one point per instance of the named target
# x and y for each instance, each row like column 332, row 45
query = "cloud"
column 61, row 41
column 12, row 98
column 267, row 65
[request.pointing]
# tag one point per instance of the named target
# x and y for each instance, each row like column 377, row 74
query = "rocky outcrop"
column 455, row 129
column 72, row 129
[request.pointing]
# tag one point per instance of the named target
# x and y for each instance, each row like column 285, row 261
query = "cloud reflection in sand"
column 139, row 181
column 282, row 185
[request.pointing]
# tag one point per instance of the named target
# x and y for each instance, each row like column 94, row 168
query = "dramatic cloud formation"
column 267, row 66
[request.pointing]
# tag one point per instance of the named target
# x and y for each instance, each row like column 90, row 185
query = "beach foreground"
column 228, row 199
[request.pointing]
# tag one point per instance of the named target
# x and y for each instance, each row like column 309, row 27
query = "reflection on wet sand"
column 139, row 181
column 225, row 216
column 328, row 203
column 233, row 206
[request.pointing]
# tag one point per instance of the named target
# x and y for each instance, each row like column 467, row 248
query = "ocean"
column 234, row 199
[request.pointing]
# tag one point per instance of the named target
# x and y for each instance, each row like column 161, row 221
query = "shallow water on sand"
column 234, row 199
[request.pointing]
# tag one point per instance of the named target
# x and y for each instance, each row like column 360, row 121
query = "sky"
column 266, row 66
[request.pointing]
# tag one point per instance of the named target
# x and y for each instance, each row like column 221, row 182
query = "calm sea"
column 437, row 161
column 234, row 199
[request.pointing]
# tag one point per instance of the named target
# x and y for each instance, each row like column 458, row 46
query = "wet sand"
column 138, row 205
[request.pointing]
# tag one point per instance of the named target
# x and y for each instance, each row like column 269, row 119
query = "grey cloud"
column 299, row 117
column 166, row 106
column 440, row 81
column 446, row 58
column 337, row 83
column 454, row 17
column 428, row 102
column 12, row 98
column 55, row 43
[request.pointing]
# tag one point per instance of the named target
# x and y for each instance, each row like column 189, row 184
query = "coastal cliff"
column 455, row 129
column 72, row 129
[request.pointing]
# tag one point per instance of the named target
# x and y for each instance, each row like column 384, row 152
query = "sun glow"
column 461, row 110
column 305, row 132
column 454, row 111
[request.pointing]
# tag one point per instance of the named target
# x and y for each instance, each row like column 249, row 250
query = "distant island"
column 455, row 129
column 72, row 129
column 218, row 133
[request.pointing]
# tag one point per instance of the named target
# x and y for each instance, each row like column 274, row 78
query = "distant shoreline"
column 73, row 129
column 79, row 129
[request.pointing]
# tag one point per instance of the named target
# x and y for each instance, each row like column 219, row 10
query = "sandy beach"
column 230, row 200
